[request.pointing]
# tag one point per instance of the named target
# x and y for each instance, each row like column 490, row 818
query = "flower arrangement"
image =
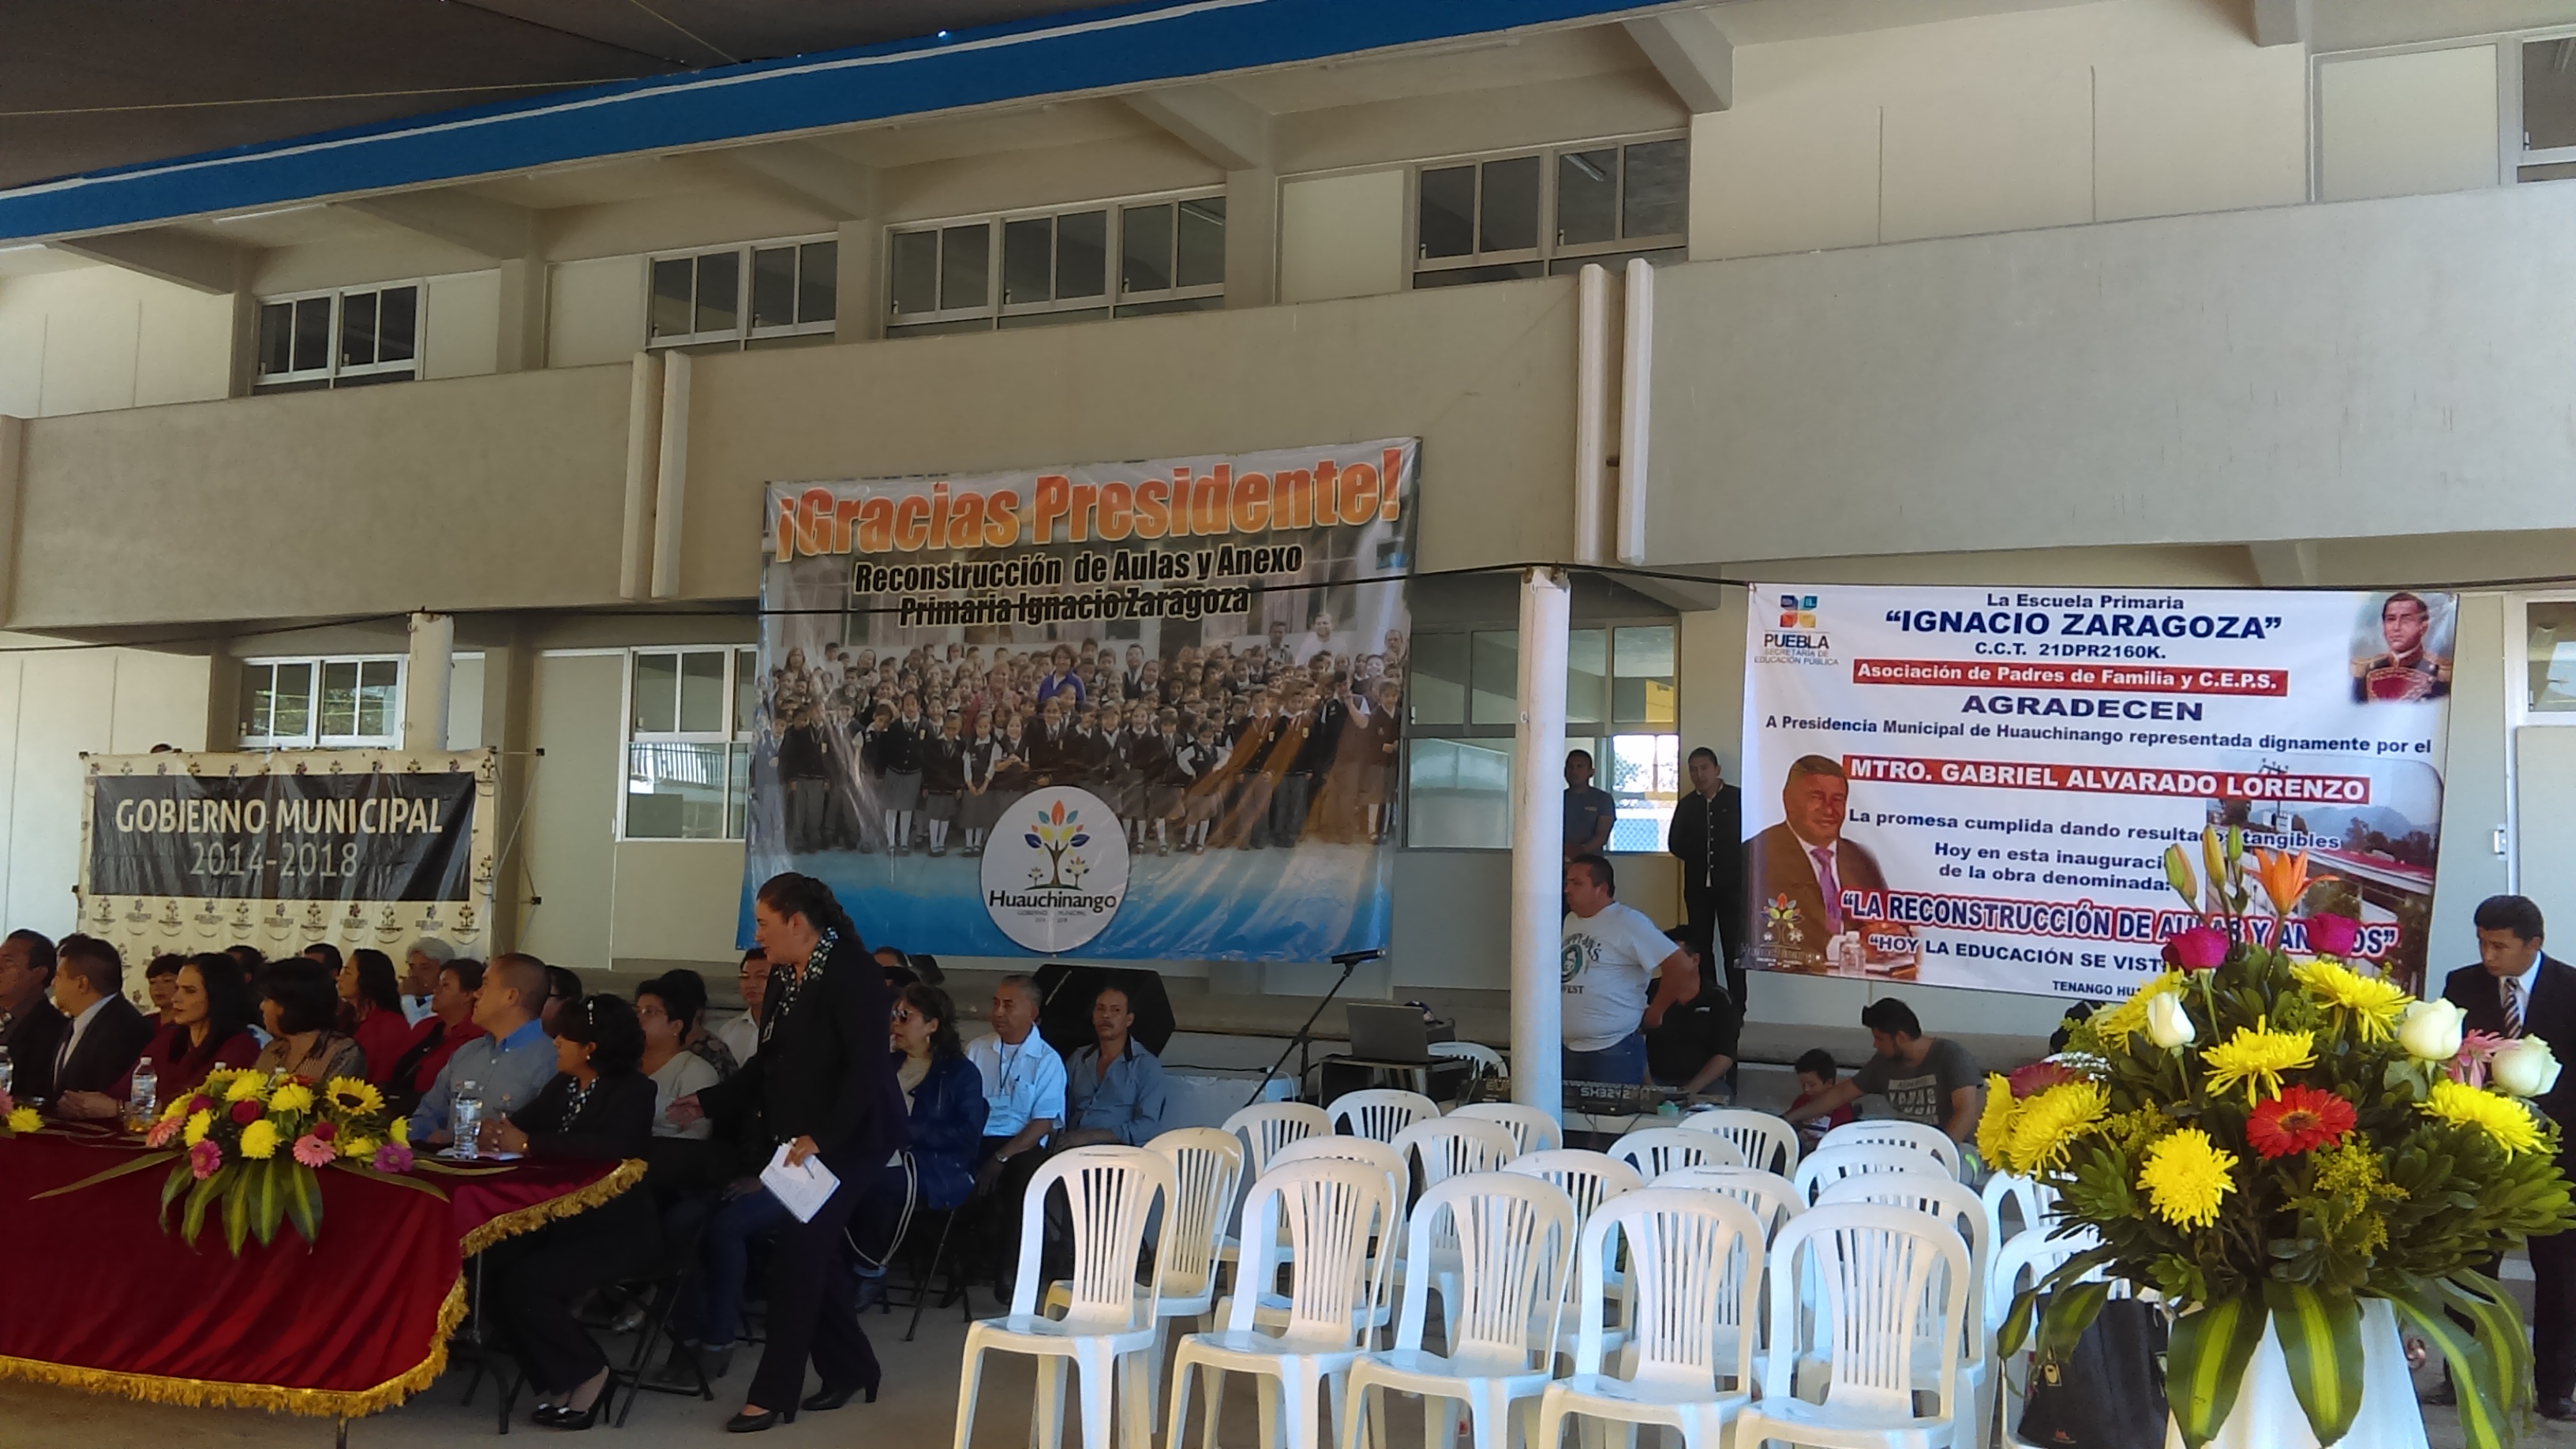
column 15, row 1119
column 2268, row 1140
column 252, row 1141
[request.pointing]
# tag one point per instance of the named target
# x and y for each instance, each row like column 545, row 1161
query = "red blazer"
column 425, row 1074
column 383, row 1036
column 175, row 1074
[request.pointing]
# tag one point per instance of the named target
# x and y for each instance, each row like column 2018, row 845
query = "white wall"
column 2473, row 787
column 594, row 311
column 2393, row 125
column 1341, row 236
column 460, row 333
column 93, row 338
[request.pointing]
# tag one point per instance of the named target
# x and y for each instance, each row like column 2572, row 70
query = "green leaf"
column 149, row 1159
column 192, row 1217
column 264, row 1198
column 304, row 1202
column 2016, row 1324
column 2320, row 1337
column 2071, row 1310
column 2473, row 1369
column 236, row 1214
column 2205, row 1364
column 2496, row 1320
column 181, row 1178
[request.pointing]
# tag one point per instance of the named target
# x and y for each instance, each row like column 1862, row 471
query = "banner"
column 1975, row 787
column 1140, row 711
column 196, row 852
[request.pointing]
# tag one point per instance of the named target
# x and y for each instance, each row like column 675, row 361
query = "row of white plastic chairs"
column 1319, row 1192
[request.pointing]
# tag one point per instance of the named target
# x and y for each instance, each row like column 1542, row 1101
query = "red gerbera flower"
column 2299, row 1120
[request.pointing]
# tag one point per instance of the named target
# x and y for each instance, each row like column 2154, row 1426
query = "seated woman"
column 947, row 1120
column 598, row 1108
column 298, row 1004
column 371, row 1012
column 668, row 1006
column 205, row 1025
column 449, row 1025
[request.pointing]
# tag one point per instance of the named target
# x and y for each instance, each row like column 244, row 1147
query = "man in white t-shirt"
column 1610, row 953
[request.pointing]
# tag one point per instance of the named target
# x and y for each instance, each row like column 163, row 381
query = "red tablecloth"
column 95, row 1295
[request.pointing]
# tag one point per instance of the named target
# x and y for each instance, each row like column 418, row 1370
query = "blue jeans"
column 724, row 1258
column 1623, row 1061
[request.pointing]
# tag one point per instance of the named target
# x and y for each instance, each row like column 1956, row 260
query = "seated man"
column 1924, row 1078
column 508, row 1065
column 1115, row 1088
column 106, row 1034
column 30, row 1027
column 1692, row 1044
column 1024, row 1103
column 741, row 1034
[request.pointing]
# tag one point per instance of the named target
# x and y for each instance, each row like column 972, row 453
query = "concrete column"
column 521, row 346
column 509, row 695
column 861, row 300
column 1251, row 238
column 1538, row 845
column 425, row 680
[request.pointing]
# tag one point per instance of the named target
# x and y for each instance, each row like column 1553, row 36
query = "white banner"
column 1974, row 786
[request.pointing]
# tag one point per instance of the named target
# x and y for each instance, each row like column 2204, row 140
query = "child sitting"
column 1816, row 1071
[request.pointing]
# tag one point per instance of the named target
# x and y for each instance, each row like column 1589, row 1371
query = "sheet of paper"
column 803, row 1188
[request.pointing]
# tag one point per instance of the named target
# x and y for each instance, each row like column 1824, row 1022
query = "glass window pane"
column 397, row 312
column 1458, row 794
column 1644, row 694
column 676, row 791
column 657, row 693
column 1435, row 682
column 1587, row 197
column 379, row 715
column 1587, row 671
column 671, row 288
column 818, row 281
column 1507, row 211
column 737, row 791
column 1082, row 254
column 312, row 334
column 258, row 700
column 966, row 266
column 294, row 702
column 1202, row 257
column 357, row 329
column 1145, row 248
column 915, row 266
column 719, row 291
column 1642, row 772
column 773, row 287
column 2548, row 93
column 276, row 337
column 339, row 699
column 1028, row 260
column 1655, row 201
column 1444, row 224
column 2553, row 656
column 1495, row 677
column 702, row 701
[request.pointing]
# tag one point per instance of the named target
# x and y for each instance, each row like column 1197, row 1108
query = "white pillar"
column 425, row 679
column 1538, row 845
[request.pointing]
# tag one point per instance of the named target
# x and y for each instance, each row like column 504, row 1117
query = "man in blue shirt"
column 1114, row 1090
column 509, row 1064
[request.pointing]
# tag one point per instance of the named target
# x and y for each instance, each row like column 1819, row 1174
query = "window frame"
column 1549, row 249
column 313, row 738
column 1113, row 298
column 743, row 332
column 409, row 369
column 737, row 734
column 2513, row 155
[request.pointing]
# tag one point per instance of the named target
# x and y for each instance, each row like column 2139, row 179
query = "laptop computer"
column 1388, row 1033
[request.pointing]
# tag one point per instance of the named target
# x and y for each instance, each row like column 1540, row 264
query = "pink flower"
column 204, row 1158
column 163, row 1130
column 2039, row 1077
column 393, row 1157
column 312, row 1151
column 2477, row 1048
column 8, row 1104
column 2199, row 949
column 2332, row 935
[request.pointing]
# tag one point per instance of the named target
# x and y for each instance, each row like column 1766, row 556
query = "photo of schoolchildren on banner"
column 1143, row 711
column 1976, row 787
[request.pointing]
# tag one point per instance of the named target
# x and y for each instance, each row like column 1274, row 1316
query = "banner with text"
column 195, row 852
column 1142, row 711
column 1975, row 787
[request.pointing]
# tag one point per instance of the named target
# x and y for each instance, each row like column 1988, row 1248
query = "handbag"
column 2109, row 1392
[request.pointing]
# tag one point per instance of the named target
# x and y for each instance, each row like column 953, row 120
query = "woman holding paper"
column 824, row 1091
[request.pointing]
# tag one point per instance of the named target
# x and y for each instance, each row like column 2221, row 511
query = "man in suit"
column 1708, row 838
column 1806, row 859
column 106, row 1034
column 30, row 1028
column 2518, row 990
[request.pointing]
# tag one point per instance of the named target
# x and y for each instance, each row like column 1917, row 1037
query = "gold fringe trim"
column 528, row 1219
column 210, row 1393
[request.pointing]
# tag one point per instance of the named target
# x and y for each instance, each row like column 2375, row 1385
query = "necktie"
column 1833, row 887
column 2513, row 1008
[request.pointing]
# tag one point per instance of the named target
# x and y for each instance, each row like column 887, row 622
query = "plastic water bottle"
column 143, row 1099
column 465, row 1117
column 8, row 1074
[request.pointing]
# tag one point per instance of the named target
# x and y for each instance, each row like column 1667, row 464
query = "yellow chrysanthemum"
column 355, row 1094
column 400, row 1131
column 1994, row 1125
column 2257, row 1056
column 177, row 1106
column 361, row 1148
column 259, row 1140
column 294, row 1096
column 195, row 1131
column 2509, row 1122
column 2129, row 1018
column 2374, row 1004
column 25, row 1119
column 2185, row 1176
column 2044, row 1126
column 244, row 1087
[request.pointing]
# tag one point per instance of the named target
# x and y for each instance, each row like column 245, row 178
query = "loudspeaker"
column 1068, row 990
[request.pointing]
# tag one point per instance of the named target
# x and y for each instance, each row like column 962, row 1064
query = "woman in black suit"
column 823, row 1085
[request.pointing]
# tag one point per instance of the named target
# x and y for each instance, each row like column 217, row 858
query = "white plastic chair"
column 1654, row 1151
column 1109, row 1328
column 1380, row 1112
column 1319, row 1215
column 1694, row 1268
column 1447, row 1147
column 1264, row 1128
column 1388, row 1241
column 1964, row 1213
column 1773, row 1199
column 1514, row 1236
column 1828, row 1165
column 1589, row 1179
column 1489, row 1062
column 1886, row 1278
column 2034, row 1203
column 1766, row 1142
column 1532, row 1129
column 1896, row 1132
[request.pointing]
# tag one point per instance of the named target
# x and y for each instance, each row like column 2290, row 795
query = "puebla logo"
column 1056, row 870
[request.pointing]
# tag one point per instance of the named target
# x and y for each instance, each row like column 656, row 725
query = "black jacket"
column 106, row 1052
column 1708, row 839
column 825, row 1069
column 616, row 1123
column 2550, row 1015
column 32, row 1040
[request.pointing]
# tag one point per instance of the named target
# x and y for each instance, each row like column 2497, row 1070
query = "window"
column 689, row 726
column 1538, row 213
column 1078, row 264
column 1464, row 703
column 345, row 338
column 289, row 704
column 784, row 288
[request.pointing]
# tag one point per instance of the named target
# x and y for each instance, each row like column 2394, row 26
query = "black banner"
column 357, row 837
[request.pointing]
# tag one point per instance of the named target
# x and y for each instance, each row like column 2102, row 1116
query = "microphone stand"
column 1304, row 1039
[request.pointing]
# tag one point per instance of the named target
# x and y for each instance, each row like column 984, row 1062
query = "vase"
column 2267, row 1413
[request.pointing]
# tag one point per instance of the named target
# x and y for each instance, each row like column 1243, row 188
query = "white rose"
column 2431, row 1031
column 2526, row 1068
column 2168, row 1025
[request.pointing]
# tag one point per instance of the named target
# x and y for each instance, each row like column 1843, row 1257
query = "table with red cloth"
column 96, row 1295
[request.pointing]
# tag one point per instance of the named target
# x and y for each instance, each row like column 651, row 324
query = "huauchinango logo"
column 1056, row 870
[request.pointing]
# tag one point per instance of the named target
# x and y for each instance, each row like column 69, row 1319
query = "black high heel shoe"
column 835, row 1398
column 754, row 1423
column 564, row 1416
